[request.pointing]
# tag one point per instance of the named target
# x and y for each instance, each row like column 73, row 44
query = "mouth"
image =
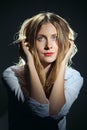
column 48, row 53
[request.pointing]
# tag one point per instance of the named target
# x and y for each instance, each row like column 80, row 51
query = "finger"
column 71, row 44
column 23, row 43
column 71, row 41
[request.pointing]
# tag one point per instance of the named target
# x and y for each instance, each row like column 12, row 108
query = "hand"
column 25, row 52
column 69, row 53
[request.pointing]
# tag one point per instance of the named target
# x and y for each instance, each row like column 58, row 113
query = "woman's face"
column 47, row 44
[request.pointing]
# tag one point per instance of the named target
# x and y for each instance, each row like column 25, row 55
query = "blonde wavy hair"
column 29, row 30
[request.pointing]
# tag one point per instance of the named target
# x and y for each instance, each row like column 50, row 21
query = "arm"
column 57, row 97
column 36, row 90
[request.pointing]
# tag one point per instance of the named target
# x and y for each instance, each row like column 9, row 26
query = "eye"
column 55, row 37
column 41, row 38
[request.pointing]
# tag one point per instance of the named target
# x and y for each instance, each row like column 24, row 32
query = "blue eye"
column 55, row 38
column 41, row 38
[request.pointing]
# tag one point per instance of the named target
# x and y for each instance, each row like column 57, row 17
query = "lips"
column 48, row 53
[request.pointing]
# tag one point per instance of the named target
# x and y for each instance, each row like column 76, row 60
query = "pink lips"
column 48, row 53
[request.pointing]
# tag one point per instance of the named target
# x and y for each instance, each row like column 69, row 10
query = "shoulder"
column 71, row 72
column 73, row 76
column 10, row 71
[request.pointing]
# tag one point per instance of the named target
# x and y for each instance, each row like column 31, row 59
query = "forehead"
column 47, row 28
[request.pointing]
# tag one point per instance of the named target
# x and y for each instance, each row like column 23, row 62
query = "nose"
column 48, row 44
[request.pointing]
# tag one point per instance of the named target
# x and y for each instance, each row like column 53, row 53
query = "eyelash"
column 43, row 38
column 56, row 37
column 40, row 38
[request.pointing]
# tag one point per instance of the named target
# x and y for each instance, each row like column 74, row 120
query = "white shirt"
column 73, row 84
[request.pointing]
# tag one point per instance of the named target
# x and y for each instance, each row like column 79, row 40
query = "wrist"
column 63, row 65
column 30, row 65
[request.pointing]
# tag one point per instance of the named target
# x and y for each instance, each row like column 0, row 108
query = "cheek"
column 56, row 51
column 39, row 48
column 56, row 48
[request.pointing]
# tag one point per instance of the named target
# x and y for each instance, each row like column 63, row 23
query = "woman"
column 44, row 78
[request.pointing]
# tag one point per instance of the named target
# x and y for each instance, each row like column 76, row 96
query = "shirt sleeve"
column 39, row 109
column 12, row 81
column 73, row 85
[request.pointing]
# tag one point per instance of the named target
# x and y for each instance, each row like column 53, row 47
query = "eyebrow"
column 45, row 35
column 41, row 35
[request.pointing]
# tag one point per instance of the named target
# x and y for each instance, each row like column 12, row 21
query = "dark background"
column 12, row 14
